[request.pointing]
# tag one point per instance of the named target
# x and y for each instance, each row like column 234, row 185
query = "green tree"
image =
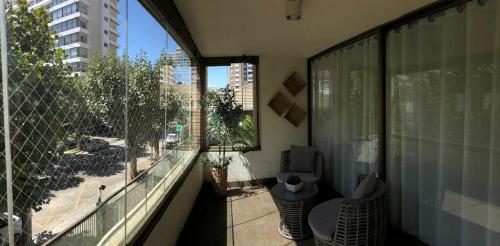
column 106, row 97
column 224, row 116
column 167, row 109
column 39, row 89
column 246, row 134
column 144, row 97
column 170, row 109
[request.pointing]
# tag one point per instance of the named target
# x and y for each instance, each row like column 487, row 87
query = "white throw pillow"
column 366, row 187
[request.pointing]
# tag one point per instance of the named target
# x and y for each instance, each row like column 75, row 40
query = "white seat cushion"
column 323, row 219
column 307, row 177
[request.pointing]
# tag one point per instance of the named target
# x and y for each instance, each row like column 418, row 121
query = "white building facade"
column 84, row 28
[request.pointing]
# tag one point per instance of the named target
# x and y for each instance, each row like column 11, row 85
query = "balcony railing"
column 106, row 223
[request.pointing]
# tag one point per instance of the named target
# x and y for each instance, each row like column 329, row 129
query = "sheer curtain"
column 346, row 112
column 444, row 125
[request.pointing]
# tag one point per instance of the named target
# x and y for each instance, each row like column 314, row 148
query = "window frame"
column 227, row 61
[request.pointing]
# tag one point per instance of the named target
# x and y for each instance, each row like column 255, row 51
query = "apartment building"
column 84, row 27
column 241, row 81
column 167, row 75
column 183, row 71
column 240, row 75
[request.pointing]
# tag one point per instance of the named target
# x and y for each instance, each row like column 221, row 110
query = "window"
column 106, row 19
column 69, row 24
column 345, row 114
column 56, row 2
column 70, row 39
column 242, row 84
column 76, row 52
column 106, row 32
column 65, row 137
column 105, row 5
column 106, row 45
column 66, row 10
column 444, row 126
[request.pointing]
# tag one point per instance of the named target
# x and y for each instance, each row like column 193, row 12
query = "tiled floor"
column 248, row 216
column 251, row 218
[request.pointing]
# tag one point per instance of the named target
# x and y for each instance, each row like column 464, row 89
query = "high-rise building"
column 167, row 74
column 183, row 71
column 240, row 75
column 84, row 28
column 241, row 78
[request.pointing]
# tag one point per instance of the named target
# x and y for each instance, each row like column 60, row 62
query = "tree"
column 224, row 115
column 167, row 109
column 106, row 97
column 144, row 96
column 171, row 108
column 39, row 85
column 104, row 92
column 246, row 136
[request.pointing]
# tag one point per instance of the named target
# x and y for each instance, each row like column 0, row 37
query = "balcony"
column 315, row 123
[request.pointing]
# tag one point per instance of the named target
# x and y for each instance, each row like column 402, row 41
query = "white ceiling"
column 259, row 27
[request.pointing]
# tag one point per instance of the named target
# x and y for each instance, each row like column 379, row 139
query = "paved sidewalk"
column 69, row 205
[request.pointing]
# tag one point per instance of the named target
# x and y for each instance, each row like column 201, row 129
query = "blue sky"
column 217, row 76
column 145, row 33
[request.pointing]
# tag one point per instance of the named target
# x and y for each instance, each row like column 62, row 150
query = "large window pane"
column 346, row 112
column 241, row 81
column 444, row 126
column 100, row 130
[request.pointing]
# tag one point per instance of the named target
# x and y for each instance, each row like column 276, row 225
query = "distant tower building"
column 167, row 74
column 240, row 75
column 84, row 27
column 241, row 78
column 183, row 71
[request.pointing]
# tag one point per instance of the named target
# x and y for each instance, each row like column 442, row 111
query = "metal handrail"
column 113, row 195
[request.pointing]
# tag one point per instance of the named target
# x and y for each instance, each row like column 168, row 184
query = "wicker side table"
column 294, row 208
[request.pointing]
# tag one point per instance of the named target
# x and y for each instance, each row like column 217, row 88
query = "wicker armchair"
column 351, row 221
column 308, row 177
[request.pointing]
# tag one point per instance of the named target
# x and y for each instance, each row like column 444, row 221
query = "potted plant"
column 224, row 115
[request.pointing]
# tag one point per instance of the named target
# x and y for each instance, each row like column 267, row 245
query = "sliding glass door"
column 443, row 75
column 346, row 112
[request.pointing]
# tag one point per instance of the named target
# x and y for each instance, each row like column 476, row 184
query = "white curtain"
column 444, row 126
column 346, row 106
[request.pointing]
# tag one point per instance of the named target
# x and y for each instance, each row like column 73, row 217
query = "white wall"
column 171, row 223
column 276, row 132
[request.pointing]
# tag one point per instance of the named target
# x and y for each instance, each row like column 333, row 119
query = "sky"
column 146, row 34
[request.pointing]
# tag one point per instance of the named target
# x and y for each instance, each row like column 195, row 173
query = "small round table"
column 294, row 208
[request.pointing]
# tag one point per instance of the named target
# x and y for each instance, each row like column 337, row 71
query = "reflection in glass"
column 444, row 126
column 346, row 108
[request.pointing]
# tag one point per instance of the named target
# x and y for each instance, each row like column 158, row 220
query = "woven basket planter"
column 219, row 180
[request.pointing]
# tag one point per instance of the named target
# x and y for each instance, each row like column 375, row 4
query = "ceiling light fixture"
column 293, row 9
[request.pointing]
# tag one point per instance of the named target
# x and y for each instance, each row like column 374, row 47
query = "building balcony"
column 66, row 3
column 114, row 31
column 74, row 30
column 353, row 124
column 114, row 5
column 69, row 17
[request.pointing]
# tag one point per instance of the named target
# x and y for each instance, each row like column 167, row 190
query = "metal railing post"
column 6, row 123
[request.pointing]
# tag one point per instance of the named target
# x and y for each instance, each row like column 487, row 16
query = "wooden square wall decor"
column 294, row 84
column 296, row 115
column 279, row 103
